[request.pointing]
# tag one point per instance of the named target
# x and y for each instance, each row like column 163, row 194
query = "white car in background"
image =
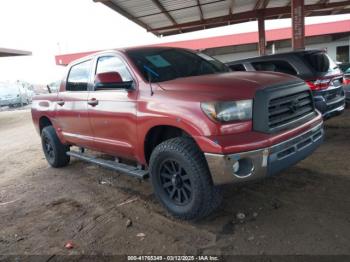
column 14, row 94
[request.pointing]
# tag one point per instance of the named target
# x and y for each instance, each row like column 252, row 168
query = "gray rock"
column 128, row 223
column 240, row 216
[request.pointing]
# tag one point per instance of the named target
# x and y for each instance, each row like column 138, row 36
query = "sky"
column 51, row 27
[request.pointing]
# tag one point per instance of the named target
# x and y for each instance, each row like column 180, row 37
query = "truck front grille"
column 282, row 106
column 288, row 108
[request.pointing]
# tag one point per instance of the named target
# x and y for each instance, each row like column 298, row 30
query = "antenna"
column 150, row 72
column 150, row 82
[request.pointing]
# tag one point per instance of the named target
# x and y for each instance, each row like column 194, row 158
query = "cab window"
column 78, row 77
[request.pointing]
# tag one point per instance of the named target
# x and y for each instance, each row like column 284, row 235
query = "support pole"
column 262, row 36
column 273, row 48
column 298, row 24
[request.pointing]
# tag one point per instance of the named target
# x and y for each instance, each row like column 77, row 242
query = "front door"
column 72, row 109
column 113, row 111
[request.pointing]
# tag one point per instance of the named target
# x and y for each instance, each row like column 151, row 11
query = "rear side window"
column 276, row 66
column 78, row 77
column 320, row 62
column 237, row 67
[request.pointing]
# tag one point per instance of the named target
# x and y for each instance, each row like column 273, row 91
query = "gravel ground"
column 305, row 210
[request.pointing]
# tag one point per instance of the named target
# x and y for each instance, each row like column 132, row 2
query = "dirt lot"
column 306, row 210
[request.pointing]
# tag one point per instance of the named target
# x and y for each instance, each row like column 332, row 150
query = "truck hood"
column 242, row 84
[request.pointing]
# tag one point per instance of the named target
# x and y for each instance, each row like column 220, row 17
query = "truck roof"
column 125, row 51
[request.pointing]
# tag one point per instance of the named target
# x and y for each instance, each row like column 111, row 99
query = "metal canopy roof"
column 4, row 52
column 337, row 29
column 168, row 17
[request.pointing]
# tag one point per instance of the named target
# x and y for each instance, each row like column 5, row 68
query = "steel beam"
column 258, row 4
column 265, row 4
column 262, row 35
column 261, row 4
column 166, row 13
column 298, row 24
column 230, row 10
column 200, row 10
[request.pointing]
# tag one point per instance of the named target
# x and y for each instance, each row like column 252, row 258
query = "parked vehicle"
column 14, row 95
column 323, row 76
column 345, row 67
column 182, row 118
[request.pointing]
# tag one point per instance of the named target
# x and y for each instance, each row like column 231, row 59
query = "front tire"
column 55, row 152
column 181, row 179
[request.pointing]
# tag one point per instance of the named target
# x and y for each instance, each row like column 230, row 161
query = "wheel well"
column 159, row 134
column 44, row 122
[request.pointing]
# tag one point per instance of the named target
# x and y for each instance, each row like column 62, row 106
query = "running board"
column 119, row 167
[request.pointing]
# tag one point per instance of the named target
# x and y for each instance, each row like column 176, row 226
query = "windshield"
column 163, row 64
column 322, row 63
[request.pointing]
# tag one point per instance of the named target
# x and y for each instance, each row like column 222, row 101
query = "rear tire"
column 181, row 179
column 55, row 152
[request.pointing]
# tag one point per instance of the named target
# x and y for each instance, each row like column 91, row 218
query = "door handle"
column 93, row 102
column 60, row 102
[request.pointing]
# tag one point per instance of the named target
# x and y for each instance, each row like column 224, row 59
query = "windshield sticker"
column 206, row 57
column 158, row 61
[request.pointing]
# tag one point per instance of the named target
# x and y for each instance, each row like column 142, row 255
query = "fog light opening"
column 243, row 168
column 235, row 167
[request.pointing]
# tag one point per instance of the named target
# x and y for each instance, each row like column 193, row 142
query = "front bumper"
column 330, row 102
column 265, row 161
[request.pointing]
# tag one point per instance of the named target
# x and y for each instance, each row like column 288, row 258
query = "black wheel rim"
column 49, row 151
column 175, row 182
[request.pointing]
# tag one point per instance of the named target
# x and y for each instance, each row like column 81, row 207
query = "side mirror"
column 111, row 80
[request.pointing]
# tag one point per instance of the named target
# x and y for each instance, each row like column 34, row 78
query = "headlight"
column 229, row 110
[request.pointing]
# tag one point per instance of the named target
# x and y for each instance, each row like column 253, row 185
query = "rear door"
column 72, row 111
column 113, row 111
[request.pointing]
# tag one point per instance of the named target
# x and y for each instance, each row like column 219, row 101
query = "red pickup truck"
column 180, row 117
